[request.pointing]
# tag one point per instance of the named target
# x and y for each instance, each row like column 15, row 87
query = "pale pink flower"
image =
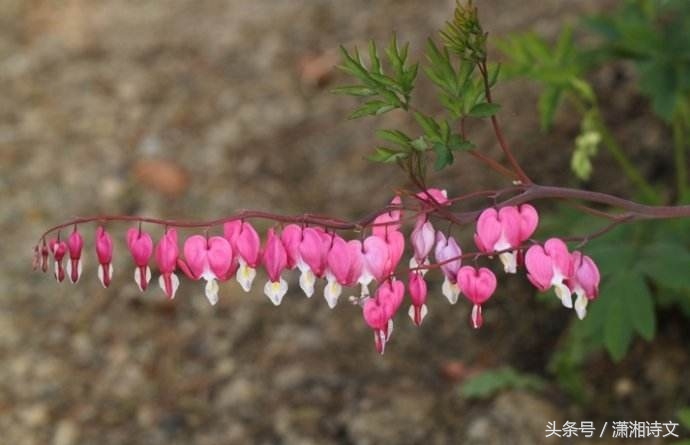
column 389, row 221
column 584, row 283
column 447, row 249
column 422, row 239
column 418, row 294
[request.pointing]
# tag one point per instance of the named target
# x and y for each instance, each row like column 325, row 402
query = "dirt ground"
column 198, row 108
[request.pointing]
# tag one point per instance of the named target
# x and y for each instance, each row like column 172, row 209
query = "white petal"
column 306, row 282
column 331, row 293
column 450, row 290
column 414, row 264
column 174, row 281
column 137, row 277
column 581, row 305
column 276, row 290
column 509, row 261
column 212, row 291
column 389, row 329
column 245, row 276
column 563, row 293
column 69, row 270
column 100, row 275
column 57, row 270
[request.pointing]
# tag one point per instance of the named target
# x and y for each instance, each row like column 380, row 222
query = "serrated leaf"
column 374, row 58
column 484, row 109
column 547, row 105
column 457, row 143
column 444, row 157
column 429, row 125
column 370, row 108
column 490, row 382
column 396, row 137
column 387, row 155
column 640, row 306
column 494, row 72
column 354, row 90
column 666, row 264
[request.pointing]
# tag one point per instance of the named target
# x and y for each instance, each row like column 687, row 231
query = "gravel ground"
column 195, row 109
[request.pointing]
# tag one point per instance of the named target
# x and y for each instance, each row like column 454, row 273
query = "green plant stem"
column 680, row 158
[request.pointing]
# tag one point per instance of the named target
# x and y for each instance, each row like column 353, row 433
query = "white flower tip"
column 563, row 293
column 581, row 306
column 417, row 315
column 245, row 276
column 211, row 290
column 509, row 261
column 174, row 284
column 142, row 280
column 331, row 293
column 275, row 291
column 306, row 282
column 451, row 291
column 101, row 274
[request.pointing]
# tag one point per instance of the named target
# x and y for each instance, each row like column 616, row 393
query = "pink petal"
column 338, row 259
column 374, row 314
column 488, row 230
column 292, row 237
column 104, row 246
column 376, row 257
column 445, row 250
column 476, row 285
column 275, row 256
column 167, row 252
column 433, row 194
column 558, row 251
column 354, row 248
column 219, row 254
column 529, row 221
column 418, row 288
column 75, row 243
column 539, row 267
column 140, row 246
column 248, row 245
column 510, row 224
column 389, row 221
column 312, row 251
column 422, row 238
column 195, row 253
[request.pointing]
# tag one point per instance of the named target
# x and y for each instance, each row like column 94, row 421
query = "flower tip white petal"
column 509, row 261
column 211, row 291
column 306, row 282
column 331, row 293
column 451, row 291
column 581, row 306
column 563, row 293
column 245, row 276
column 275, row 291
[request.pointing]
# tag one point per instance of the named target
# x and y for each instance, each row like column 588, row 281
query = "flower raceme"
column 324, row 257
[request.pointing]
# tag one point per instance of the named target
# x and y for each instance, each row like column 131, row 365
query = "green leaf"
column 420, row 144
column 396, row 137
column 444, row 157
column 387, row 155
column 354, row 90
column 429, row 125
column 667, row 264
column 489, row 383
column 484, row 109
column 618, row 331
column 547, row 105
column 640, row 307
column 370, row 108
column 684, row 417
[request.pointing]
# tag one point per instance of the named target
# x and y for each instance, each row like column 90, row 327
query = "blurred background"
column 199, row 108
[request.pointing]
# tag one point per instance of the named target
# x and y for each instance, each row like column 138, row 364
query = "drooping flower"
column 396, row 247
column 75, row 243
column 422, row 238
column 418, row 294
column 275, row 261
column 292, row 237
column 389, row 221
column 313, row 250
column 167, row 253
column 507, row 228
column 141, row 247
column 433, row 196
column 377, row 262
column 379, row 311
column 447, row 249
column 551, row 265
column 207, row 258
column 246, row 244
column 584, row 283
column 58, row 249
column 339, row 262
column 45, row 252
column 104, row 252
column 477, row 286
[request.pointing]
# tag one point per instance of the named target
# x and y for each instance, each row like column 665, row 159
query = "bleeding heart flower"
column 389, row 221
column 209, row 259
column 104, row 252
column 584, row 282
column 549, row 266
column 377, row 262
column 418, row 294
column 292, row 237
column 141, row 247
column 167, row 253
column 75, row 243
column 422, row 238
column 379, row 311
column 505, row 229
column 446, row 250
column 58, row 249
column 313, row 261
column 434, row 196
column 275, row 261
column 477, row 286
column 339, row 261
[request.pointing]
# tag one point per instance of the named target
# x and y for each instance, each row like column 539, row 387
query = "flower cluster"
column 322, row 255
